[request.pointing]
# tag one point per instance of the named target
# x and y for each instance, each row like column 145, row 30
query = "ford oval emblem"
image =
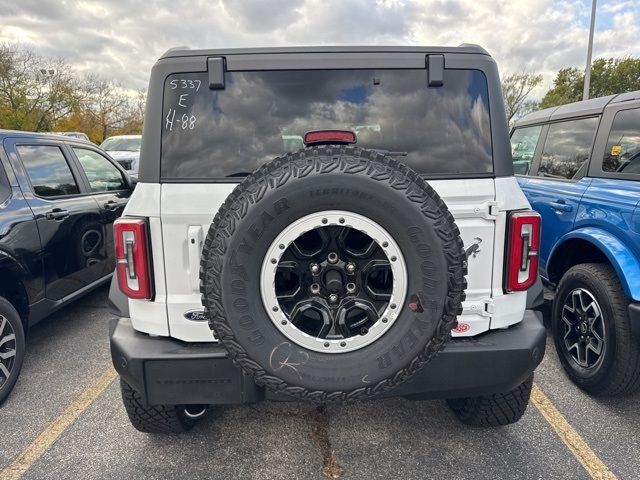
column 196, row 316
column 462, row 327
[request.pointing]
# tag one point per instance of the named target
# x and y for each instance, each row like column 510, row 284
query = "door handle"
column 56, row 214
column 111, row 205
column 560, row 206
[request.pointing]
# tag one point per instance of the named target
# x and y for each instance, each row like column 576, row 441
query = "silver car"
column 124, row 149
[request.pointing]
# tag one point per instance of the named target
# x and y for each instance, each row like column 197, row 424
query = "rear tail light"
column 132, row 257
column 523, row 245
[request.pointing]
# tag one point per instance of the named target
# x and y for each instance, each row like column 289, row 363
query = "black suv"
column 58, row 199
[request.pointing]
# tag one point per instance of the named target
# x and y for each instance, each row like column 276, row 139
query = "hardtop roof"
column 187, row 52
column 584, row 108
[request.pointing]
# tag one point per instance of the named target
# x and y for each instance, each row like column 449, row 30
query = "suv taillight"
column 132, row 257
column 523, row 244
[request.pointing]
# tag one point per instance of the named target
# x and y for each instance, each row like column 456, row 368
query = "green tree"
column 35, row 92
column 45, row 94
column 608, row 76
column 516, row 89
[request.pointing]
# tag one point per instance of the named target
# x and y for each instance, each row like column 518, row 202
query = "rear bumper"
column 167, row 371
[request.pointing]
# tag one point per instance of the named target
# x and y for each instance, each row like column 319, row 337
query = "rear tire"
column 156, row 418
column 494, row 410
column 617, row 371
column 12, row 347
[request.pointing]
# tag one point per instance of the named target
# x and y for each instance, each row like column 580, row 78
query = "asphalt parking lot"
column 65, row 420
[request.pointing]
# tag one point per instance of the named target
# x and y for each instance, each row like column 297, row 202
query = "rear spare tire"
column 333, row 273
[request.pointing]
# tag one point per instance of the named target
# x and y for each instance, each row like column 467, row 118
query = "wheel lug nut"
column 315, row 288
column 351, row 287
column 350, row 267
column 315, row 268
column 332, row 258
column 333, row 298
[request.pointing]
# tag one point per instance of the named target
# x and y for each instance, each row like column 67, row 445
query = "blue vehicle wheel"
column 592, row 331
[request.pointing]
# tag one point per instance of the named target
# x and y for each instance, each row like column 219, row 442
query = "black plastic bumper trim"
column 535, row 295
column 167, row 371
column 118, row 301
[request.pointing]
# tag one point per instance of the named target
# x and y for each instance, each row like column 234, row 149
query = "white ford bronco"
column 325, row 224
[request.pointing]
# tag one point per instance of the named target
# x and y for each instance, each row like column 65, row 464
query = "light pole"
column 45, row 76
column 587, row 72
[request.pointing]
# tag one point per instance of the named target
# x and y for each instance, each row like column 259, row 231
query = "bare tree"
column 135, row 117
column 108, row 105
column 516, row 89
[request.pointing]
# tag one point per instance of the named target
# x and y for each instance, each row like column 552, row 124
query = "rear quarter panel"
column 612, row 206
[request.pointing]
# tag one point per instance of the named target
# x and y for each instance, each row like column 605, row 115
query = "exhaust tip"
column 194, row 412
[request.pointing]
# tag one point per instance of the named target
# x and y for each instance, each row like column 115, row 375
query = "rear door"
column 557, row 182
column 110, row 189
column 211, row 137
column 68, row 219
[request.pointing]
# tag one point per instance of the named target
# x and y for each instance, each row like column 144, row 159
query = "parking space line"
column 571, row 438
column 56, row 428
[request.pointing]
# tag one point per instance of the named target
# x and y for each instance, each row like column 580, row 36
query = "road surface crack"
column 319, row 420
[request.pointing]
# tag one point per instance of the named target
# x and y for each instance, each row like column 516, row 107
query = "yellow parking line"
column 56, row 428
column 583, row 453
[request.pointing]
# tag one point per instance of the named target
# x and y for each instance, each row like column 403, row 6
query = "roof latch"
column 435, row 70
column 215, row 66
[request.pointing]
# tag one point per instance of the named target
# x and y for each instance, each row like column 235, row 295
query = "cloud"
column 121, row 39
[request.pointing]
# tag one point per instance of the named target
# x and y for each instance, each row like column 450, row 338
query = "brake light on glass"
column 320, row 137
column 132, row 257
column 522, row 250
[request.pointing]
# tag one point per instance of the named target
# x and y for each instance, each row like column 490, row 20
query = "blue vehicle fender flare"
column 620, row 256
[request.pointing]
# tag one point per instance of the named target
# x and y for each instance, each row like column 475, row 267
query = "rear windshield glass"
column 261, row 115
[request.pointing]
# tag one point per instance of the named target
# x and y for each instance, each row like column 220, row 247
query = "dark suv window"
column 567, row 148
column 48, row 170
column 102, row 174
column 523, row 146
column 260, row 115
column 622, row 154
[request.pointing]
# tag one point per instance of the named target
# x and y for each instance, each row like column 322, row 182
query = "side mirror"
column 132, row 180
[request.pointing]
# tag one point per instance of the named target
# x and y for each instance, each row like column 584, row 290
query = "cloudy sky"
column 120, row 39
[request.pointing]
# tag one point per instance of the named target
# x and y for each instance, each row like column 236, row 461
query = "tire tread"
column 152, row 418
column 493, row 410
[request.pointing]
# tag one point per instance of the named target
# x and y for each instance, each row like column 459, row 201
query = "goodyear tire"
column 332, row 274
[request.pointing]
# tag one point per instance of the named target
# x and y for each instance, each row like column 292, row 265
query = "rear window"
column 440, row 131
column 567, row 148
column 523, row 147
column 622, row 154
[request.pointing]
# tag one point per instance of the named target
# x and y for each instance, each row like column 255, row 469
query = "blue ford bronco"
column 579, row 166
